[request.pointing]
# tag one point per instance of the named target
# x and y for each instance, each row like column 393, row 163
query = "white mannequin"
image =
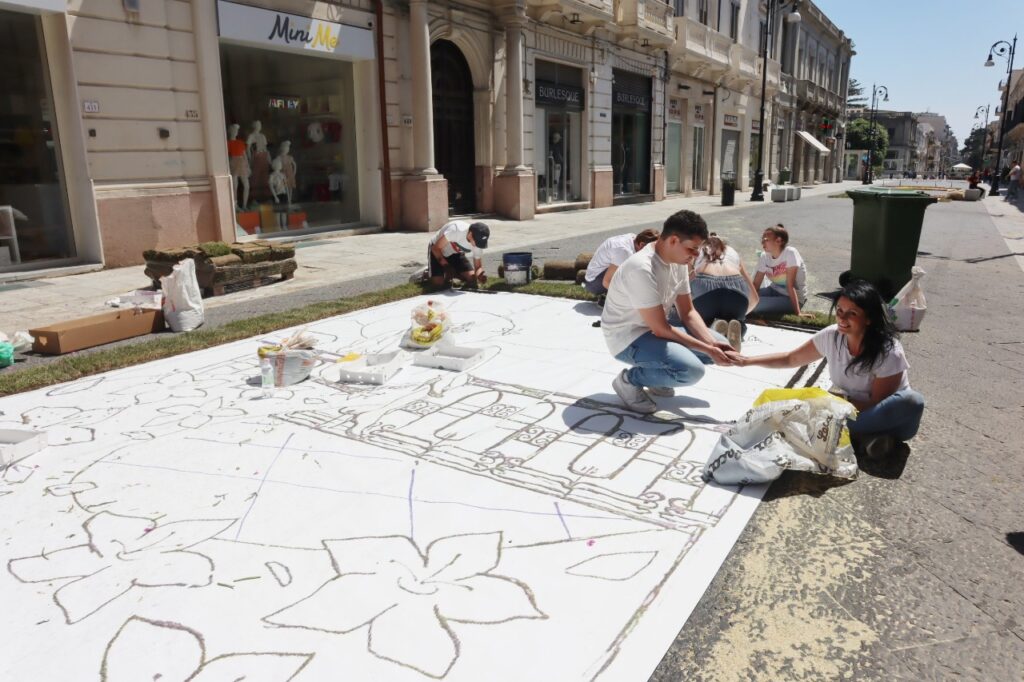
column 239, row 168
column 278, row 183
column 288, row 166
column 256, row 139
column 315, row 132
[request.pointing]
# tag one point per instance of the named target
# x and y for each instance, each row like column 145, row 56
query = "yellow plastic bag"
column 811, row 394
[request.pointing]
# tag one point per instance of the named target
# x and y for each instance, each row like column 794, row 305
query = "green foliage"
column 214, row 249
column 858, row 136
column 973, row 146
column 855, row 96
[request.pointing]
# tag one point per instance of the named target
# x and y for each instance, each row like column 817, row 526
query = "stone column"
column 514, row 192
column 424, row 191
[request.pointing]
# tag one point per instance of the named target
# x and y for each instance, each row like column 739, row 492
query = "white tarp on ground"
column 508, row 523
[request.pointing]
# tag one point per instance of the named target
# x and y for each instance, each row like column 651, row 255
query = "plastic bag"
column 140, row 298
column 289, row 366
column 183, row 302
column 797, row 429
column 429, row 322
column 6, row 353
column 908, row 308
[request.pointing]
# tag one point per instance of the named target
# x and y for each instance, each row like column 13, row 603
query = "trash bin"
column 517, row 266
column 728, row 188
column 784, row 176
column 886, row 233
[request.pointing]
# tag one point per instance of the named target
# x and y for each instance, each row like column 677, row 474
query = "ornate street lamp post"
column 757, row 193
column 876, row 90
column 1006, row 50
column 984, row 136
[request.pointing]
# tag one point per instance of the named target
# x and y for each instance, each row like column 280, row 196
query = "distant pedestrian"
column 987, row 176
column 446, row 255
column 1014, row 180
column 612, row 253
column 786, row 272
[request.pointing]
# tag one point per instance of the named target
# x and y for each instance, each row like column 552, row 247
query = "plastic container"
column 450, row 357
column 518, row 266
column 17, row 444
column 287, row 367
column 372, row 368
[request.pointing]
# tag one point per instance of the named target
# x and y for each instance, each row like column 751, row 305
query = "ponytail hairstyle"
column 713, row 248
column 880, row 335
column 780, row 232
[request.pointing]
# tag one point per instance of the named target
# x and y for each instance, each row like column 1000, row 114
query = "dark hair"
column 780, row 232
column 880, row 335
column 644, row 238
column 684, row 225
column 713, row 248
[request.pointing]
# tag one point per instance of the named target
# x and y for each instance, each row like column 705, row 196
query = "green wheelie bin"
column 886, row 233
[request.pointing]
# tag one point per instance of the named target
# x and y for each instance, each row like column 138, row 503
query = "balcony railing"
column 584, row 15
column 700, row 50
column 646, row 20
column 744, row 65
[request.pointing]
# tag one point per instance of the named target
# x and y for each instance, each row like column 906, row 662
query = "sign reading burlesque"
column 568, row 96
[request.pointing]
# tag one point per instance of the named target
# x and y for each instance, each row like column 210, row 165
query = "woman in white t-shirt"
column 867, row 366
column 781, row 263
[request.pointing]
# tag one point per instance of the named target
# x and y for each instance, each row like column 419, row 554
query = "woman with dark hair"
column 867, row 366
column 722, row 291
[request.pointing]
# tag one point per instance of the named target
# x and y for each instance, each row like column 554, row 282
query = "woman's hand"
column 719, row 356
column 737, row 359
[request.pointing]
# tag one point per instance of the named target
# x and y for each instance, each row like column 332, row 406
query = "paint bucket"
column 517, row 267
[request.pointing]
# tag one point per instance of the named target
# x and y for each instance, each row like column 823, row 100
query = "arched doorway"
column 454, row 153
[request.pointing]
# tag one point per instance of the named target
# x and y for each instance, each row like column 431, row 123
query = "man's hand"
column 481, row 277
column 737, row 359
column 724, row 346
column 719, row 356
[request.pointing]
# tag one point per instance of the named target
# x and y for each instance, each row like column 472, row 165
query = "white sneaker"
column 633, row 396
column 720, row 326
column 735, row 334
column 661, row 391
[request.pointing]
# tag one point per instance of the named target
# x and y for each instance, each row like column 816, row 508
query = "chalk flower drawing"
column 406, row 595
column 146, row 649
column 194, row 416
column 122, row 552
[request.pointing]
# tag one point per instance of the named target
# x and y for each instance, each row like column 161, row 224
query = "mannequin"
column 259, row 158
column 238, row 165
column 288, row 166
column 278, row 182
column 555, row 158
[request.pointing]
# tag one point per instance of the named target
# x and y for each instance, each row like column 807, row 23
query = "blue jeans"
column 773, row 302
column 899, row 415
column 658, row 362
column 596, row 286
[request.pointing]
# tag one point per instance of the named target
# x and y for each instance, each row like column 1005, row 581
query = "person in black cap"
column 446, row 256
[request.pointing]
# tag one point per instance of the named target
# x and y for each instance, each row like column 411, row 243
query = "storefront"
column 35, row 227
column 560, row 102
column 631, row 134
column 674, row 146
column 699, row 175
column 730, row 146
column 292, row 118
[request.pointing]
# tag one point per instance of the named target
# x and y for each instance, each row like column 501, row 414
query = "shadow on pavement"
column 802, row 483
column 1016, row 541
column 890, row 467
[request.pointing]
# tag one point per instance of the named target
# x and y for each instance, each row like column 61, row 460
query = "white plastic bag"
column 909, row 306
column 183, row 302
column 140, row 298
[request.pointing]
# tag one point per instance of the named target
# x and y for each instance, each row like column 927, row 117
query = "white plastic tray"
column 17, row 444
column 373, row 368
column 448, row 356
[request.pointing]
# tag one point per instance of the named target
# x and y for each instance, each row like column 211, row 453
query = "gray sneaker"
column 735, row 335
column 661, row 391
column 720, row 326
column 633, row 396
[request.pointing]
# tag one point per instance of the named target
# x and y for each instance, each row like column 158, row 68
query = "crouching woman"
column 867, row 366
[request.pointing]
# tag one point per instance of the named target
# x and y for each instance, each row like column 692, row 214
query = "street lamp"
column 984, row 136
column 876, row 90
column 1007, row 50
column 757, row 193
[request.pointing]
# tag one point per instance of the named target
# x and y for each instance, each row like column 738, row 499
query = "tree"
column 858, row 136
column 855, row 97
column 973, row 148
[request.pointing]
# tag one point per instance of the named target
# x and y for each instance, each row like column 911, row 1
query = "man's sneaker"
column 600, row 300
column 661, row 391
column 633, row 396
column 879, row 447
column 735, row 334
column 720, row 326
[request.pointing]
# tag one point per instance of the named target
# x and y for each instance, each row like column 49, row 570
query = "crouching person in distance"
column 867, row 366
column 649, row 321
column 446, row 254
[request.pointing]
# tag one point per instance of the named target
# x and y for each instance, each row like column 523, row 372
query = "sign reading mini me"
column 283, row 31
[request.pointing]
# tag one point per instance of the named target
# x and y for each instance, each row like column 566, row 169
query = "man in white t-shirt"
column 612, row 253
column 652, row 286
column 1013, row 183
column 446, row 255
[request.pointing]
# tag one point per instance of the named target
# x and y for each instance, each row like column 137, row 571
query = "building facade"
column 901, row 157
column 1012, row 124
column 128, row 126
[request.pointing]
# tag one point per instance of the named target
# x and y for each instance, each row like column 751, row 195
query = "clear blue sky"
column 929, row 53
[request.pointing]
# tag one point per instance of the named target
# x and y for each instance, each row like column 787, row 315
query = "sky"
column 930, row 53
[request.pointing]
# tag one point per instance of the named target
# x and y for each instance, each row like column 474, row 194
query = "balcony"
column 813, row 95
column 744, row 66
column 581, row 16
column 648, row 22
column 774, row 75
column 700, row 51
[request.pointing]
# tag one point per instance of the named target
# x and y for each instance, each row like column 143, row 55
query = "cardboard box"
column 96, row 330
column 17, row 444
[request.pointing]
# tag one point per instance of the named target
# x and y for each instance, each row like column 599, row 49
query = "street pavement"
column 913, row 571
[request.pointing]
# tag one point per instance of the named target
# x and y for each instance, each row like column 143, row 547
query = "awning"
column 811, row 140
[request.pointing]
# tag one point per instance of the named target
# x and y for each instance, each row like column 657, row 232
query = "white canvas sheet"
column 512, row 522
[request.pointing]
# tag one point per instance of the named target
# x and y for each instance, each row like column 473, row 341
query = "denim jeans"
column 899, row 415
column 658, row 362
column 596, row 286
column 773, row 302
column 722, row 304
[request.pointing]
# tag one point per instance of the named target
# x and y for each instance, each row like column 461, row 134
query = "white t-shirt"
column 775, row 270
column 457, row 234
column 613, row 251
column 857, row 383
column 729, row 257
column 643, row 281
column 1015, row 173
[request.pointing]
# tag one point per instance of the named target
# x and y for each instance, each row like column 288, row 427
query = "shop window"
column 558, row 135
column 293, row 154
column 34, row 225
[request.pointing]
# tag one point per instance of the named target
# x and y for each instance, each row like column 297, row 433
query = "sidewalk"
column 35, row 303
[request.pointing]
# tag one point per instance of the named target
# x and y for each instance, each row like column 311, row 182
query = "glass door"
column 698, row 160
column 556, row 170
column 673, row 149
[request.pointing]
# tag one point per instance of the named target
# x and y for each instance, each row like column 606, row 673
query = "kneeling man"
column 446, row 255
column 649, row 321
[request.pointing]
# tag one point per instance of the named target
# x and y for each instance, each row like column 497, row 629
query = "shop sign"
column 568, row 96
column 291, row 32
column 731, row 121
column 755, row 126
column 698, row 113
column 285, row 103
column 632, row 100
column 675, row 109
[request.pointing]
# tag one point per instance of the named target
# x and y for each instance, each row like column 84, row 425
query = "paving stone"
column 996, row 656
